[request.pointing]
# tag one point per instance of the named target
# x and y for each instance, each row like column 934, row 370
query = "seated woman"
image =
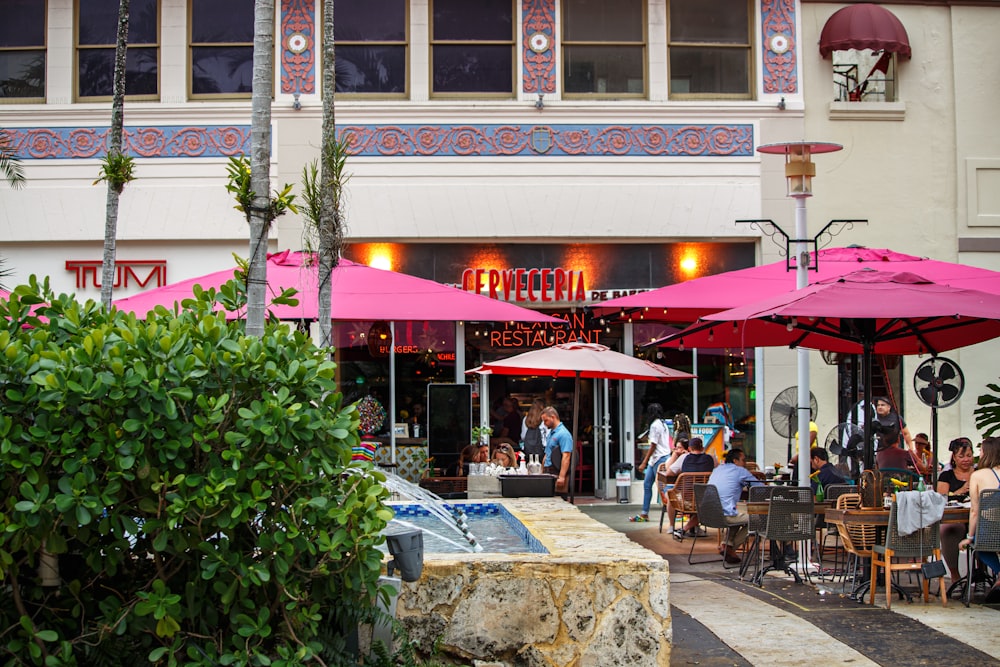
column 469, row 454
column 954, row 485
column 504, row 456
column 986, row 477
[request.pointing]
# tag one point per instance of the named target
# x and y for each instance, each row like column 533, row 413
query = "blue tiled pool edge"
column 534, row 545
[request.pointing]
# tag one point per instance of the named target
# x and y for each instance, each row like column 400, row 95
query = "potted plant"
column 481, row 435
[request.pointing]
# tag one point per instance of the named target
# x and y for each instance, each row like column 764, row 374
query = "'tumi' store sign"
column 526, row 285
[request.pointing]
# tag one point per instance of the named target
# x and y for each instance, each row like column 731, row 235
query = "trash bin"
column 623, row 481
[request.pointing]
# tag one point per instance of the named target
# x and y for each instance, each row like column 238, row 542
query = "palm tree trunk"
column 329, row 223
column 115, row 147
column 260, row 162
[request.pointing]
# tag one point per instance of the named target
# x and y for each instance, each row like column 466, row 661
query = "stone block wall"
column 596, row 599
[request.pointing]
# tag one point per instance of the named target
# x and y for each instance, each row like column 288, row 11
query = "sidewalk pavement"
column 720, row 620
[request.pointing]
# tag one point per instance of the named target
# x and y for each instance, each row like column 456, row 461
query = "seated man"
column 729, row 478
column 697, row 460
column 820, row 461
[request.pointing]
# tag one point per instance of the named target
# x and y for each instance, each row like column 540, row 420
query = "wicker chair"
column 858, row 540
column 905, row 553
column 680, row 500
column 987, row 534
column 832, row 491
column 446, row 487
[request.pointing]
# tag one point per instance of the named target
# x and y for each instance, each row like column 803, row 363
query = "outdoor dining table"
column 879, row 517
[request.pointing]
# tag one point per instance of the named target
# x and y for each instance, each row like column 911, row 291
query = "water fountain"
column 454, row 518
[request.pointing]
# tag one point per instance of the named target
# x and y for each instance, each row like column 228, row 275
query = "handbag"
column 933, row 569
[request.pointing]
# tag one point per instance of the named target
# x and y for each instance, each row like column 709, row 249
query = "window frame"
column 748, row 47
column 43, row 48
column 407, row 50
column 77, row 48
column 644, row 44
column 514, row 62
column 192, row 45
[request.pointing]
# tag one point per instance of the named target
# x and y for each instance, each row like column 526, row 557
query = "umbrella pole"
column 576, row 425
column 866, row 370
column 392, row 390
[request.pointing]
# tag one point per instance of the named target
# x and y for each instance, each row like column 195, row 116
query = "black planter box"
column 527, row 486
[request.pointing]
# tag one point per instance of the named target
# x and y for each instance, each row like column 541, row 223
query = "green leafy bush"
column 193, row 486
column 988, row 412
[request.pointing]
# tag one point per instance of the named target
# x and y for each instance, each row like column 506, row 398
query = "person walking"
column 657, row 453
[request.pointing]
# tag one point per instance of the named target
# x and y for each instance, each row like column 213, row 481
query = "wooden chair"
column 680, row 501
column 906, row 553
column 446, row 487
column 832, row 492
column 584, row 471
column 858, row 540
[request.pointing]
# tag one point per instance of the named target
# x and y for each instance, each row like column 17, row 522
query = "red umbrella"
column 690, row 300
column 868, row 311
column 581, row 360
column 360, row 293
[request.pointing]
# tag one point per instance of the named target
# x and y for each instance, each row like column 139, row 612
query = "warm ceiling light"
column 689, row 264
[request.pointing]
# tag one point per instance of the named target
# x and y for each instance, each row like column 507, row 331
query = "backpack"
column 533, row 442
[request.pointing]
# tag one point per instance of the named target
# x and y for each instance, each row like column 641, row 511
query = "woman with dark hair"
column 986, row 477
column 658, row 452
column 954, row 485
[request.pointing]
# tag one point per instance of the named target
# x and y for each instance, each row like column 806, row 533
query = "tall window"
column 371, row 40
column 97, row 35
column 22, row 51
column 221, row 47
column 709, row 48
column 604, row 48
column 472, row 47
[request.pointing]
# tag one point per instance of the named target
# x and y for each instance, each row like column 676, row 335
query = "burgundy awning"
column 864, row 26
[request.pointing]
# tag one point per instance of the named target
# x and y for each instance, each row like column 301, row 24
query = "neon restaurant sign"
column 542, row 334
column 553, row 285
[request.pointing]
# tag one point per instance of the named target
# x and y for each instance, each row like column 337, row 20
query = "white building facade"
column 588, row 135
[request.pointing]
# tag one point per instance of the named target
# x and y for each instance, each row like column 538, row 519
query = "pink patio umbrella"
column 867, row 311
column 690, row 300
column 360, row 293
column 581, row 360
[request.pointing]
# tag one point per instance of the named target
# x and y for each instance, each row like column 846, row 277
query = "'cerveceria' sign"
column 526, row 285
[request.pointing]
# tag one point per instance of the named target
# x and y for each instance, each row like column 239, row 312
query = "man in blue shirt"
column 729, row 478
column 558, row 449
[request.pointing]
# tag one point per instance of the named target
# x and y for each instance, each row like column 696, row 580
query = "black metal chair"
column 708, row 506
column 987, row 537
column 788, row 520
column 905, row 553
column 755, row 526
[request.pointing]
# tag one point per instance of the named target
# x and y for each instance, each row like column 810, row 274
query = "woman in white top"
column 986, row 477
column 658, row 452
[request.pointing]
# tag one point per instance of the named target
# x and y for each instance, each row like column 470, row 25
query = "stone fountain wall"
column 596, row 599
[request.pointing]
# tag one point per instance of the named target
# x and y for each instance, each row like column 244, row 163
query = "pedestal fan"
column 939, row 383
column 784, row 415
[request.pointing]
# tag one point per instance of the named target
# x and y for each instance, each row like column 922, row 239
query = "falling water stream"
column 452, row 518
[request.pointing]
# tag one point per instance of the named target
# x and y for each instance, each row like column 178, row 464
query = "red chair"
column 584, row 471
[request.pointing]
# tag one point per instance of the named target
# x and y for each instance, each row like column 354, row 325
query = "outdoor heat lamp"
column 799, row 167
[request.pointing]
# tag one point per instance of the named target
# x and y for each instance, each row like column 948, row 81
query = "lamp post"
column 799, row 172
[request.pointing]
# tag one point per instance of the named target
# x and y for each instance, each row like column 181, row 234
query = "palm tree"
column 260, row 162
column 10, row 164
column 333, row 155
column 117, row 167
